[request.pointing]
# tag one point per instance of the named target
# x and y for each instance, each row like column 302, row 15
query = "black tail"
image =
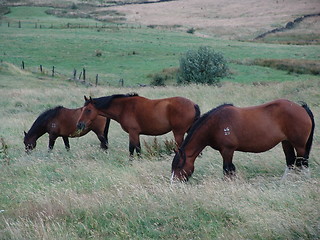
column 197, row 108
column 196, row 116
column 106, row 129
column 310, row 139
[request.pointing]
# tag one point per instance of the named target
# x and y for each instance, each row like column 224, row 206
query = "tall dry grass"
column 90, row 194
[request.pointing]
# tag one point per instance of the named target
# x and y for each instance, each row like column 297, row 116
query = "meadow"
column 88, row 193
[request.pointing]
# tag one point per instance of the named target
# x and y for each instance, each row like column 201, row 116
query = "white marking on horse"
column 53, row 125
column 227, row 131
column 172, row 178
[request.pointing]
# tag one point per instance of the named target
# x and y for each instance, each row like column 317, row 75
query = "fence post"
column 8, row 24
column 97, row 79
column 74, row 74
column 84, row 74
column 22, row 65
column 40, row 68
column 121, row 82
column 52, row 71
column 19, row 24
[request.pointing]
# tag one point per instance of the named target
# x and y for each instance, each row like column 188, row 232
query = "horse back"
column 259, row 128
column 157, row 116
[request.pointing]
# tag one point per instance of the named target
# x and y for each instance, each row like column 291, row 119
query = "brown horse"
column 251, row 129
column 138, row 115
column 62, row 122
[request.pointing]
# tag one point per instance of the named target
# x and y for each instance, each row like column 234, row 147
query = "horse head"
column 181, row 170
column 29, row 142
column 88, row 114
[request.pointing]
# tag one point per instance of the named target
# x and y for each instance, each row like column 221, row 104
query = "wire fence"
column 68, row 25
column 78, row 76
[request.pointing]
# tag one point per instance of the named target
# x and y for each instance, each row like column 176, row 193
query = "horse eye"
column 88, row 111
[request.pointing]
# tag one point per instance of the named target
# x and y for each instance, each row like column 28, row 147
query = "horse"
column 251, row 129
column 62, row 122
column 138, row 115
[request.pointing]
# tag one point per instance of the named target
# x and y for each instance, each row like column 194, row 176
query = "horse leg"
column 52, row 140
column 290, row 157
column 229, row 169
column 134, row 144
column 178, row 137
column 66, row 142
column 301, row 160
column 102, row 138
column 103, row 142
column 289, row 153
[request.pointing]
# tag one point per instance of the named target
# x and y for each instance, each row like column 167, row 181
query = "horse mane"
column 192, row 130
column 104, row 102
column 201, row 121
column 44, row 118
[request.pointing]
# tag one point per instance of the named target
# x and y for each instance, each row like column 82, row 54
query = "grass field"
column 87, row 193
column 127, row 52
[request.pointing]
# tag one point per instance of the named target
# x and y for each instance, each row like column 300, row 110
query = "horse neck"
column 36, row 133
column 193, row 148
column 114, row 110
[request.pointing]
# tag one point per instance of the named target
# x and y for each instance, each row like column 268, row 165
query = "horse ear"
column 85, row 98
column 25, row 134
column 90, row 98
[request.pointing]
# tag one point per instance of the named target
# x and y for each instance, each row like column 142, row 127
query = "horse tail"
column 310, row 139
column 106, row 129
column 197, row 115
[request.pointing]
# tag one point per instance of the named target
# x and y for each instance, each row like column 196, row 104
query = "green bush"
column 203, row 66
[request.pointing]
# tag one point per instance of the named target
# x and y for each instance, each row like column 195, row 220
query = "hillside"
column 230, row 19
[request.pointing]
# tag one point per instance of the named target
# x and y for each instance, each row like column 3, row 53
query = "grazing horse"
column 252, row 129
column 138, row 115
column 62, row 122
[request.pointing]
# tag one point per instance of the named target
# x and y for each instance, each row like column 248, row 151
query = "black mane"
column 104, row 102
column 201, row 121
column 43, row 119
column 194, row 127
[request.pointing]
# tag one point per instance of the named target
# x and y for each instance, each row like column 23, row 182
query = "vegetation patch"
column 156, row 149
column 203, row 66
column 87, row 11
column 166, row 76
column 299, row 66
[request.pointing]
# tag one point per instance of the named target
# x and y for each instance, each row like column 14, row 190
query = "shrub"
column 158, row 80
column 167, row 75
column 156, row 149
column 191, row 30
column 203, row 66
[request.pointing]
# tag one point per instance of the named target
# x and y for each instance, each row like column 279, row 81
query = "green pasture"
column 88, row 193
column 126, row 52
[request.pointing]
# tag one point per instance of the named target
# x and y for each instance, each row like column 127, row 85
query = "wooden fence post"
column 40, row 68
column 84, row 74
column 19, row 24
column 52, row 71
column 74, row 74
column 22, row 65
column 97, row 79
column 121, row 82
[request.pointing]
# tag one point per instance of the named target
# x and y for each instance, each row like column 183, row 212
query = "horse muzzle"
column 81, row 126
